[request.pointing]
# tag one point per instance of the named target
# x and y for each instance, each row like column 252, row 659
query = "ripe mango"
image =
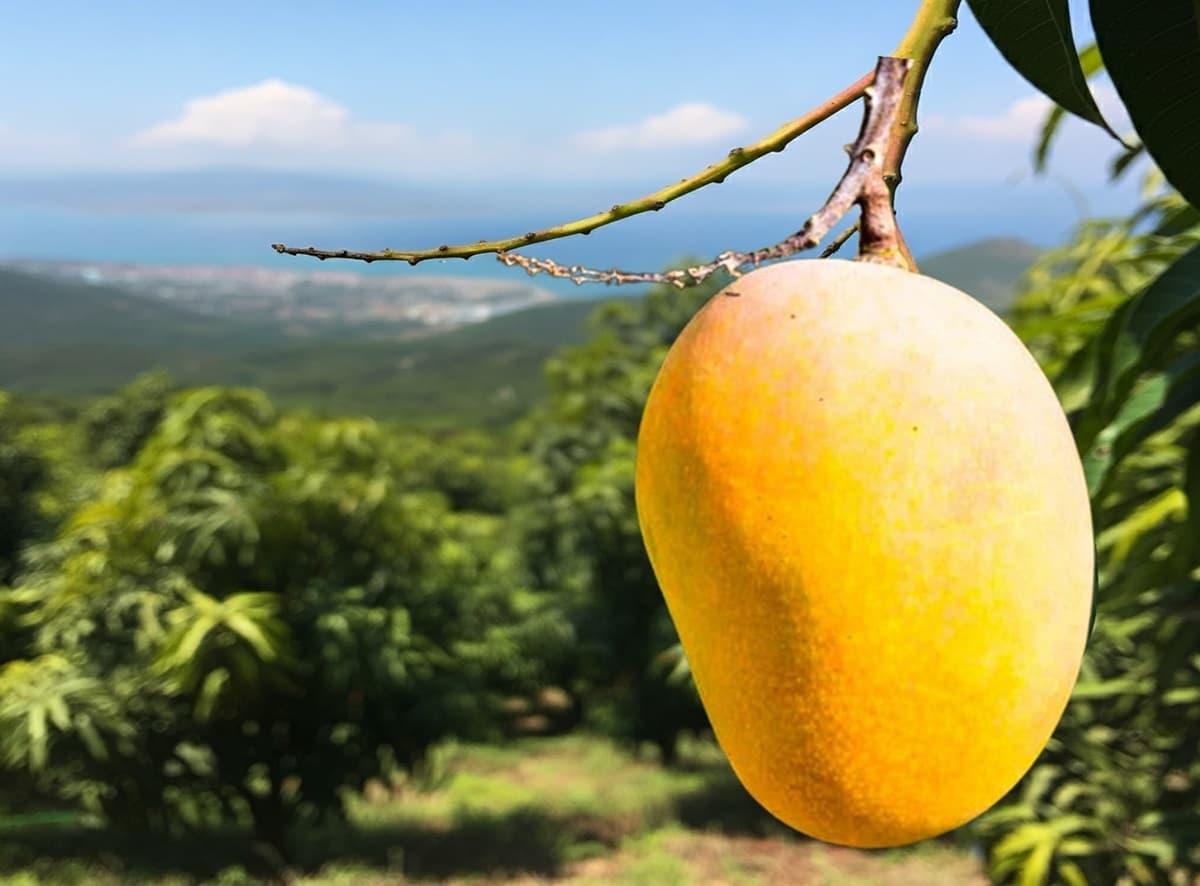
column 866, row 512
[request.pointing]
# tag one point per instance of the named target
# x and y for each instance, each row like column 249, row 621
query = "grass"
column 577, row 809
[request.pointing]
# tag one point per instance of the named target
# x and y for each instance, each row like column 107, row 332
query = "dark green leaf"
column 40, row 820
column 1088, row 371
column 1074, row 380
column 1187, row 554
column 1034, row 36
column 1095, row 590
column 1174, row 653
column 1151, row 49
column 1090, row 64
column 1156, row 403
column 1049, row 130
column 1036, row 869
column 1110, row 688
column 1071, row 874
column 1177, row 221
column 1134, row 340
column 1124, row 159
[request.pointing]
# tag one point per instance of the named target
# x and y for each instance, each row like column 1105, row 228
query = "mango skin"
column 865, row 510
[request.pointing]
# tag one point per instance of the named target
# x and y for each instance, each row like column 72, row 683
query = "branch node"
column 861, row 184
column 714, row 173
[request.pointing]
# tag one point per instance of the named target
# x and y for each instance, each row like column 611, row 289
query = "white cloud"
column 1020, row 121
column 687, row 124
column 272, row 113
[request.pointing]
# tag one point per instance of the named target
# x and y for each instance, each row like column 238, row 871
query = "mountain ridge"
column 476, row 373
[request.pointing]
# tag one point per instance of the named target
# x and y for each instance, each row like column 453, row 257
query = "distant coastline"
column 934, row 220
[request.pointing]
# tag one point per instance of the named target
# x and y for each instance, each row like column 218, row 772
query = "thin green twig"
column 714, row 174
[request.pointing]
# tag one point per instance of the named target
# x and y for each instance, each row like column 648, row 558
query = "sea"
column 932, row 222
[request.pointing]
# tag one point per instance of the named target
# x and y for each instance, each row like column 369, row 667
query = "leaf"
column 1151, row 49
column 38, row 739
column 1090, row 64
column 1122, row 537
column 1020, row 840
column 254, row 635
column 1076, row 846
column 1040, row 780
column 210, row 694
column 1065, row 796
column 1071, row 874
column 1050, row 127
column 1156, row 847
column 1124, row 159
column 60, row 715
column 1036, row 869
column 190, row 638
column 1034, row 36
column 1187, row 695
column 1188, row 551
column 91, row 737
column 1073, row 383
column 1110, row 688
column 1135, row 338
column 1178, row 220
column 1095, row 591
column 1156, row 403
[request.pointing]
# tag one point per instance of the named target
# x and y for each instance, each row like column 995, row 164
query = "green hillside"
column 38, row 310
column 988, row 269
column 483, row 374
column 74, row 339
column 64, row 337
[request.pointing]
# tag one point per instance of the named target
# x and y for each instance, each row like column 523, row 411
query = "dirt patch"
column 723, row 860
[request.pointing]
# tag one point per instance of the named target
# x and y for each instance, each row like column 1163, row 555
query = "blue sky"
column 526, row 92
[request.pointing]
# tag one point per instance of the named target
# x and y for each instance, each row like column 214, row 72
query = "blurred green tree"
column 22, row 474
column 581, row 541
column 1116, row 795
column 115, row 427
column 255, row 615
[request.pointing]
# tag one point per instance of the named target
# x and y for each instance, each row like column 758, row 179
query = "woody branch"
column 713, row 174
column 862, row 184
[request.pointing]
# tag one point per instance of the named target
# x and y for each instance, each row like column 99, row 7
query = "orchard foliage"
column 254, row 614
column 1150, row 49
column 1114, row 317
column 216, row 613
column 213, row 613
column 241, row 614
column 22, row 473
column 582, row 539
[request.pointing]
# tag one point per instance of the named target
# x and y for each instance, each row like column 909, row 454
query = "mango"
column 865, row 510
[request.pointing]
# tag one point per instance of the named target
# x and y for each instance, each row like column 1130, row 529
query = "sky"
column 566, row 93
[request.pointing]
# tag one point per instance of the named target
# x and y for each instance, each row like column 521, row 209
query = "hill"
column 64, row 338
column 39, row 311
column 487, row 373
column 987, row 269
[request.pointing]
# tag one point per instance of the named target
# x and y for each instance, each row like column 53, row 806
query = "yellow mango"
column 865, row 510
